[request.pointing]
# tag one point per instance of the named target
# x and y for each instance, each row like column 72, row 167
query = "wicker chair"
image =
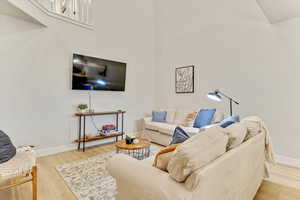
column 23, row 167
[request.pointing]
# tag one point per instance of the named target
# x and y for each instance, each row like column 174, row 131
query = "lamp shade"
column 214, row 96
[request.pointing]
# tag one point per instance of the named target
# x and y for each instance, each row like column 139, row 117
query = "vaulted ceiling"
column 280, row 10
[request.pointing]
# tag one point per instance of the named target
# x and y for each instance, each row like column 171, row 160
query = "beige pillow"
column 253, row 128
column 218, row 117
column 193, row 180
column 163, row 160
column 236, row 133
column 170, row 116
column 197, row 152
column 181, row 116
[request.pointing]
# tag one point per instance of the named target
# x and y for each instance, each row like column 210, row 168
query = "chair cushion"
column 7, row 149
column 19, row 165
column 229, row 120
column 159, row 116
column 204, row 117
column 179, row 136
column 236, row 133
column 197, row 152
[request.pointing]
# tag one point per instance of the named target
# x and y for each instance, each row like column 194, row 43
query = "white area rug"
column 89, row 180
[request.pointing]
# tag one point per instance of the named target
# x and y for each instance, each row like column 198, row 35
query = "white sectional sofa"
column 235, row 175
column 161, row 133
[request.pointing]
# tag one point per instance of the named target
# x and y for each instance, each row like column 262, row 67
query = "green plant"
column 82, row 106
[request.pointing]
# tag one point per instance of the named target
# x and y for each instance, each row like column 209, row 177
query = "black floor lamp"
column 217, row 96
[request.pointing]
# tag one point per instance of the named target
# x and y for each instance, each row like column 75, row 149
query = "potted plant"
column 82, row 107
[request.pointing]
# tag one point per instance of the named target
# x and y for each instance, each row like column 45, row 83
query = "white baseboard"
column 69, row 147
column 287, row 161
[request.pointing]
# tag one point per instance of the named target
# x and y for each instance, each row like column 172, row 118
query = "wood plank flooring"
column 52, row 187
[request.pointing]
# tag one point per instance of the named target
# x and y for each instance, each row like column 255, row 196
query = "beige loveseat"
column 235, row 175
column 161, row 133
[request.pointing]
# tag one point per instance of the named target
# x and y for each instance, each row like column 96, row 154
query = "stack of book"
column 109, row 130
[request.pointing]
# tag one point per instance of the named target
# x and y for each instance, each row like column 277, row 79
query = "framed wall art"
column 184, row 79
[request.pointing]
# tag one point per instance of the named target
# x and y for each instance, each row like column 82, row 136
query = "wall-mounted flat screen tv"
column 91, row 73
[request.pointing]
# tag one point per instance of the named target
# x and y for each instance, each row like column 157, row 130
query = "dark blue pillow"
column 204, row 117
column 7, row 149
column 179, row 136
column 159, row 116
column 230, row 120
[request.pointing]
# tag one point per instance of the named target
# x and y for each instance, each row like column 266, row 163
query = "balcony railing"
column 78, row 12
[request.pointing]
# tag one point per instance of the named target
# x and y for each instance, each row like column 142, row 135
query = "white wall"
column 37, row 102
column 235, row 49
column 231, row 44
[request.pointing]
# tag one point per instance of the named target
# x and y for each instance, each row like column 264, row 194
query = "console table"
column 82, row 119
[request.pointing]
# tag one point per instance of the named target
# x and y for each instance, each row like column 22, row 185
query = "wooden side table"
column 139, row 151
column 82, row 117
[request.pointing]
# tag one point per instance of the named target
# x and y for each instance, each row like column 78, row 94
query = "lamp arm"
column 228, row 97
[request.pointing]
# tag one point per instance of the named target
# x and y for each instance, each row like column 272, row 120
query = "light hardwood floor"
column 52, row 187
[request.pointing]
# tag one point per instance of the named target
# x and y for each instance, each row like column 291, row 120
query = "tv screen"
column 91, row 73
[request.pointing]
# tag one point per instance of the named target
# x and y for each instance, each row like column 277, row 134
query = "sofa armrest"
column 147, row 119
column 136, row 180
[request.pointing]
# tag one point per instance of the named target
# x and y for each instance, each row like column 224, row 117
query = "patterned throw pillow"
column 7, row 149
column 204, row 117
column 179, row 136
column 230, row 120
column 159, row 116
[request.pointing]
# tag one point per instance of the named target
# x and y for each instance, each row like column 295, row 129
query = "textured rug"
column 89, row 180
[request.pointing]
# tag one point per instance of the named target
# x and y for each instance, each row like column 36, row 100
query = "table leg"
column 122, row 124
column 79, row 134
column 84, row 134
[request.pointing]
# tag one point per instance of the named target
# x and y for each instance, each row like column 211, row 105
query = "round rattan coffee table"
column 140, row 151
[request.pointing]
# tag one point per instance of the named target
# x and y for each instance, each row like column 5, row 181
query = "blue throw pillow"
column 179, row 136
column 230, row 120
column 204, row 117
column 159, row 116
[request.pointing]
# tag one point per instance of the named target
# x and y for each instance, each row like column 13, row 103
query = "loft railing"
column 78, row 12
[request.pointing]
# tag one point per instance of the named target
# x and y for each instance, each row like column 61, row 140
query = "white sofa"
column 235, row 175
column 161, row 133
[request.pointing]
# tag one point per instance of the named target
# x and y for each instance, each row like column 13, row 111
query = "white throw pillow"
column 236, row 133
column 181, row 117
column 170, row 115
column 218, row 117
column 197, row 152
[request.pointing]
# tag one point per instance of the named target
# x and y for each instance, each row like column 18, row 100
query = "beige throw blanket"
column 268, row 143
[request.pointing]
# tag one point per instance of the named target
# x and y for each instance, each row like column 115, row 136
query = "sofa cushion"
column 204, row 117
column 166, row 129
column 191, row 130
column 229, row 120
column 170, row 116
column 153, row 125
column 236, row 133
column 218, row 117
column 181, row 116
column 197, row 152
column 253, row 127
column 159, row 116
column 163, row 160
column 179, row 136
